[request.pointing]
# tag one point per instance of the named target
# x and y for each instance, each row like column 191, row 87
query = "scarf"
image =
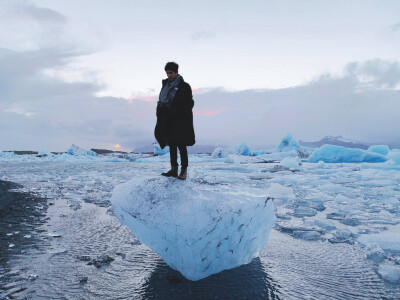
column 169, row 90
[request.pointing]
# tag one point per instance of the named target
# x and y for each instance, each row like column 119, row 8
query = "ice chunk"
column 381, row 149
column 158, row 151
column 309, row 235
column 242, row 149
column 339, row 154
column 389, row 240
column 259, row 152
column 280, row 155
column 280, row 193
column 75, row 150
column 302, row 211
column 374, row 252
column 389, row 272
column 291, row 163
column 45, row 153
column 197, row 228
column 288, row 143
column 7, row 154
column 220, row 152
column 325, row 224
column 343, row 236
column 394, row 156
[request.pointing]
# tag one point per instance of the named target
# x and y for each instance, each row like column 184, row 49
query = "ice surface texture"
column 198, row 228
column 339, row 154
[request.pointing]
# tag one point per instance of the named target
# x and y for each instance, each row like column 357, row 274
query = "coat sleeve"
column 189, row 102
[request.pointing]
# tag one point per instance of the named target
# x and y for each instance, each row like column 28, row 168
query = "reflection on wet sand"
column 245, row 282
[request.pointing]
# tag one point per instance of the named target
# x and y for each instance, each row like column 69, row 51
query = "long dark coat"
column 175, row 121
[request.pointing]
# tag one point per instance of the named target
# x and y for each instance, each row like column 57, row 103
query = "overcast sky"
column 89, row 72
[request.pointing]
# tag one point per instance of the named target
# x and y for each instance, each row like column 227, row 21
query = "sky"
column 89, row 72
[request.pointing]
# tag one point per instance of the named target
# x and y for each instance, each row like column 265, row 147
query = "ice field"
column 337, row 231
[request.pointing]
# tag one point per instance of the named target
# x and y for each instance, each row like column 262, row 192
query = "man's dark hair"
column 171, row 66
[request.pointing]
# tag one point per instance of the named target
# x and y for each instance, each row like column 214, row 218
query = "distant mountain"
column 192, row 150
column 336, row 140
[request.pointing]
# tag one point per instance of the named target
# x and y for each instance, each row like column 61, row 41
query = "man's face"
column 171, row 75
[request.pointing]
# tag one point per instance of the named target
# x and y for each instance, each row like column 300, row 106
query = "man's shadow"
column 245, row 282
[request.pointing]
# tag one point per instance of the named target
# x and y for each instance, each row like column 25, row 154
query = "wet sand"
column 21, row 215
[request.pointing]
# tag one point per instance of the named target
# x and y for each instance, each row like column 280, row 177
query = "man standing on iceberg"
column 175, row 119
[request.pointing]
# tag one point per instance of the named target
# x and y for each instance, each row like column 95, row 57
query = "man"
column 175, row 119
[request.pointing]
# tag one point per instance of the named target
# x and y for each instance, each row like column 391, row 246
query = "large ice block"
column 198, row 228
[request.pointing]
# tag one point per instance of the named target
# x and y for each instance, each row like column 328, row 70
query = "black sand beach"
column 21, row 214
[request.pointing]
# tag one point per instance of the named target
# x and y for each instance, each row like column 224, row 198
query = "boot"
column 183, row 174
column 171, row 173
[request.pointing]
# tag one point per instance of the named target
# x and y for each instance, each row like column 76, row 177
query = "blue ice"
column 339, row 154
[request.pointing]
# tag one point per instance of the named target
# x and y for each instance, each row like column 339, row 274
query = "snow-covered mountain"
column 338, row 141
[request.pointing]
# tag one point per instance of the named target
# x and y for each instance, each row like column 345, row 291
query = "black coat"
column 175, row 121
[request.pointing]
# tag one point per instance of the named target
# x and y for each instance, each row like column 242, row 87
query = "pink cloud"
column 207, row 112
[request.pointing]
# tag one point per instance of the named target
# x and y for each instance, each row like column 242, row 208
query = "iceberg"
column 220, row 152
column 339, row 154
column 7, row 154
column 242, row 149
column 288, row 143
column 44, row 153
column 78, row 151
column 381, row 149
column 394, row 155
column 158, row 151
column 197, row 228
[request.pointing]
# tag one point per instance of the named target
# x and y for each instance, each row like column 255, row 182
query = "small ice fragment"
column 101, row 261
column 389, row 273
column 57, row 251
column 221, row 152
column 374, row 252
column 83, row 279
column 54, row 234
column 350, row 222
column 291, row 163
column 342, row 236
column 11, row 245
column 10, row 234
column 328, row 225
column 309, row 235
column 304, row 212
column 336, row 216
column 27, row 236
column 32, row 276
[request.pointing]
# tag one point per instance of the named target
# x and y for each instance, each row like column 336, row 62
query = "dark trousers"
column 173, row 154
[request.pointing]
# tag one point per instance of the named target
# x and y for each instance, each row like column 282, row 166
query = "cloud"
column 349, row 105
column 199, row 35
column 395, row 27
column 25, row 26
column 42, row 112
column 375, row 73
column 27, row 10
